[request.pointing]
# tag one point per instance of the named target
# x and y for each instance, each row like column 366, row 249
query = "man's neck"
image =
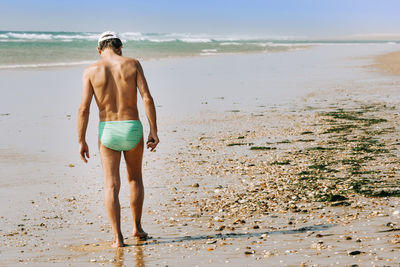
column 108, row 53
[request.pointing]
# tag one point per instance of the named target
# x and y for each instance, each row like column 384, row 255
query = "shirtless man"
column 113, row 81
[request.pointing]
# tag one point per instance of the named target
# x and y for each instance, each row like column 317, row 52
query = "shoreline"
column 387, row 62
column 63, row 65
column 211, row 198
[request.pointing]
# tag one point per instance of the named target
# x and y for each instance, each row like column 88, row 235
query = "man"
column 113, row 81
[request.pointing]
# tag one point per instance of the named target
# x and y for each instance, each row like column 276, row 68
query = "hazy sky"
column 264, row 17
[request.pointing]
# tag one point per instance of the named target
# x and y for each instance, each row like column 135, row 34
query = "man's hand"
column 84, row 151
column 152, row 141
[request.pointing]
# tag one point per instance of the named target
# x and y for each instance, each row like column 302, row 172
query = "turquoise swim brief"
column 120, row 135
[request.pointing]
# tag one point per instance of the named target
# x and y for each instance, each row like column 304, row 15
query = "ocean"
column 29, row 49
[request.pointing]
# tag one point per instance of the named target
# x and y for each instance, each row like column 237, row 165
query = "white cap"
column 107, row 35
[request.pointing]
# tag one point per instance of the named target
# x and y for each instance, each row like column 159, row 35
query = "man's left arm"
column 83, row 115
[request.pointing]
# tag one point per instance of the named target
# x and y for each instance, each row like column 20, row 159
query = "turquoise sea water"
column 52, row 49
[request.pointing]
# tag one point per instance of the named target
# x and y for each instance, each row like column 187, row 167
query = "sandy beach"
column 390, row 63
column 272, row 159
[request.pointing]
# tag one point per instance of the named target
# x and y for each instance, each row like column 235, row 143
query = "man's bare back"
column 113, row 81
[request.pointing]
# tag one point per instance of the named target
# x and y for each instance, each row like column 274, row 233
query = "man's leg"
column 133, row 160
column 110, row 160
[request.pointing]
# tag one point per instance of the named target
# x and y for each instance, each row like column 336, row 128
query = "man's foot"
column 139, row 233
column 118, row 242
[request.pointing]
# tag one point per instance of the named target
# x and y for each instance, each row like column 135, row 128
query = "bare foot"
column 118, row 242
column 139, row 233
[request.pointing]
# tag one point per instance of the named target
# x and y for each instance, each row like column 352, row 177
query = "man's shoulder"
column 131, row 60
column 92, row 68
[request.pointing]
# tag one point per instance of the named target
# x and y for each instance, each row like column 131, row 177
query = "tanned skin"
column 113, row 81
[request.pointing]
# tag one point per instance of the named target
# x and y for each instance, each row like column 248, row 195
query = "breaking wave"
column 45, row 65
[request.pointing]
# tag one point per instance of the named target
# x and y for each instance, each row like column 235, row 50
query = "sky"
column 309, row 18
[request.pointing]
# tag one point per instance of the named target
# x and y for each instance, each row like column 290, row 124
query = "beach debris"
column 354, row 252
column 262, row 148
column 218, row 219
column 71, row 199
column 268, row 254
column 264, row 236
column 318, row 245
column 237, row 144
column 284, row 162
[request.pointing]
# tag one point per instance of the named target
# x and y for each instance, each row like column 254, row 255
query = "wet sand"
column 390, row 63
column 313, row 181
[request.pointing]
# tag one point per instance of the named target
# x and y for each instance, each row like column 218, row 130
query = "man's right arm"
column 149, row 107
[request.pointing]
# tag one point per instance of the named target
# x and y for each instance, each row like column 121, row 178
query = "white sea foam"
column 208, row 54
column 195, row 40
column 45, row 65
column 261, row 44
column 231, row 43
column 47, row 36
column 165, row 37
column 12, row 41
column 154, row 40
column 36, row 36
column 135, row 36
column 131, row 35
column 90, row 37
